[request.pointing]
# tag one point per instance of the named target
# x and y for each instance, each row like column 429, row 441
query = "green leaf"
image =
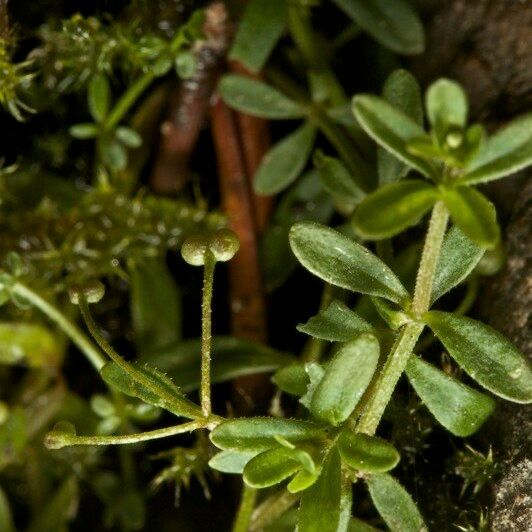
column 392, row 129
column 459, row 408
column 506, row 152
column 99, row 95
column 459, row 256
column 258, row 32
column 346, row 378
column 393, row 23
column 155, row 305
column 401, row 90
column 114, row 155
column 326, row 505
column 29, row 344
column 255, row 98
column 367, row 453
column 394, row 207
column 271, row 467
column 260, row 433
column 128, row 137
column 394, row 504
column 303, row 480
column 356, row 525
column 170, row 397
column 342, row 262
column 474, row 214
column 6, row 518
column 231, row 358
column 336, row 323
column 292, row 379
column 285, row 161
column 446, row 104
column 231, row 461
column 84, row 131
column 485, row 354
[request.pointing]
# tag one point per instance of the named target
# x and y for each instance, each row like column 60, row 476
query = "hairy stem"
column 206, row 333
column 247, row 503
column 272, row 508
column 384, row 385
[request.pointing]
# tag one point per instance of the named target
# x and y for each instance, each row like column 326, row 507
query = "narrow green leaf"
column 342, row 262
column 259, row 433
column 474, row 214
column 459, row 408
column 173, row 400
column 6, row 518
column 459, row 256
column 395, row 505
column 258, row 32
column 285, row 161
column 255, row 98
column 231, row 461
column 394, row 207
column 303, row 480
column 446, row 104
column 506, row 152
column 393, row 23
column 392, row 129
column 326, row 505
column 271, row 467
column 402, row 91
column 292, row 379
column 367, row 453
column 99, row 95
column 336, row 323
column 128, row 137
column 84, row 131
column 489, row 358
column 346, row 378
column 155, row 305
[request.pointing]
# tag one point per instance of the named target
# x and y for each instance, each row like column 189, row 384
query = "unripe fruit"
column 93, row 291
column 224, row 244
column 193, row 250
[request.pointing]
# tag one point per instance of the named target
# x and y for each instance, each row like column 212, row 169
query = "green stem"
column 272, row 508
column 91, row 352
column 247, row 503
column 206, row 333
column 383, row 387
column 58, row 440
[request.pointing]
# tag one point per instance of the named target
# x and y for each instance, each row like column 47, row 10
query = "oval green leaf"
column 485, row 354
column 99, row 96
column 255, row 98
column 394, row 207
column 459, row 408
column 231, row 461
column 446, row 104
column 342, row 262
column 292, row 379
column 367, row 453
column 346, row 378
column 271, row 467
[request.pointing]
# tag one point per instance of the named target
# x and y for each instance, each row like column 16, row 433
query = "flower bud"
column 93, row 291
column 224, row 244
column 193, row 250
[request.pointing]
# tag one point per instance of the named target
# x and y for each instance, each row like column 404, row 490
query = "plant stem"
column 247, row 503
column 384, row 385
column 273, row 507
column 91, row 352
column 206, row 333
column 59, row 440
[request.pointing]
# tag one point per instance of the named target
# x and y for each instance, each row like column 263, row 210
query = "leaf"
column 485, row 354
column 506, row 152
column 84, row 131
column 392, row 129
column 271, row 467
column 346, row 378
column 394, row 207
column 258, row 32
column 342, row 262
column 401, row 90
column 459, row 408
column 474, row 214
column 30, row 344
column 128, row 137
column 446, row 104
column 356, row 525
column 170, row 398
column 292, row 379
column 394, row 504
column 99, row 95
column 260, row 433
column 326, row 505
column 459, row 256
column 231, row 461
column 6, row 518
column 255, row 98
column 285, row 161
column 155, row 305
column 367, row 453
column 393, row 23
column 336, row 323
column 114, row 155
column 231, row 358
